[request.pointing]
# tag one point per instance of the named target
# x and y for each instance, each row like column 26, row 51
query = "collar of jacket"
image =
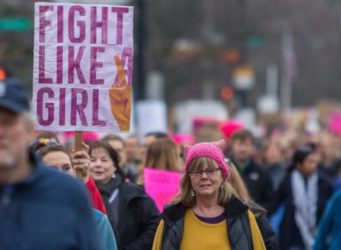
column 233, row 208
column 130, row 191
column 244, row 168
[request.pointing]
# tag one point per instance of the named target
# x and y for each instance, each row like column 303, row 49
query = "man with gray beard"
column 40, row 208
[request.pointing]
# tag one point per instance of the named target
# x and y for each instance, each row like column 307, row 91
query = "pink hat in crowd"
column 87, row 135
column 229, row 127
column 210, row 150
column 183, row 138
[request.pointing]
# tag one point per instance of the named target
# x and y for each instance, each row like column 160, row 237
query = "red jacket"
column 96, row 197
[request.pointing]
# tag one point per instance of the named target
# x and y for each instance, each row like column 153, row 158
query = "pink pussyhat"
column 229, row 127
column 209, row 150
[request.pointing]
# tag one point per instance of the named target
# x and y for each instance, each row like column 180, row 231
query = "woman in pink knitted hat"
column 207, row 214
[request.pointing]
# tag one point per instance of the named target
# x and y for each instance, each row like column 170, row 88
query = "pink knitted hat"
column 209, row 150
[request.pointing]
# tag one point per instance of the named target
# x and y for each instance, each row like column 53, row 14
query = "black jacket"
column 269, row 236
column 138, row 218
column 239, row 231
column 258, row 183
column 332, row 170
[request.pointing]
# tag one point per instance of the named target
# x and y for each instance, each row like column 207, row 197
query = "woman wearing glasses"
column 207, row 214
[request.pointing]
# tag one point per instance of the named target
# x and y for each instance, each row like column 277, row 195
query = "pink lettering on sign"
column 103, row 24
column 120, row 11
column 75, row 71
column 41, row 58
column 62, row 103
column 80, row 23
column 60, row 24
column 94, row 64
column 49, row 106
column 161, row 185
column 74, row 64
column 46, row 104
column 43, row 22
column 59, row 79
column 78, row 108
column 95, row 115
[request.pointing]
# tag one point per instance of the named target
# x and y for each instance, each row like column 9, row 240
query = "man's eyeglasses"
column 208, row 172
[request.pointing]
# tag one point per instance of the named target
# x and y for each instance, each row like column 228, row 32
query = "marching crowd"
column 241, row 192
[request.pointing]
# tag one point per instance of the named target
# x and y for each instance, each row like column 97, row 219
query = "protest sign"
column 151, row 116
column 161, row 185
column 83, row 63
column 335, row 123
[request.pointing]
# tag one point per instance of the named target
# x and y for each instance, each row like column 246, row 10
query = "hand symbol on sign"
column 120, row 97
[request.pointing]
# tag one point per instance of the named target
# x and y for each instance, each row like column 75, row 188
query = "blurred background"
column 269, row 64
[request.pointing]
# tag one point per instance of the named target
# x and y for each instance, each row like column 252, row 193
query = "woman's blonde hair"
column 186, row 198
column 161, row 154
column 241, row 191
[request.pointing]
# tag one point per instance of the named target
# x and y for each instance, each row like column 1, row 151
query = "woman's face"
column 206, row 180
column 242, row 149
column 309, row 165
column 272, row 154
column 101, row 166
column 60, row 161
column 329, row 148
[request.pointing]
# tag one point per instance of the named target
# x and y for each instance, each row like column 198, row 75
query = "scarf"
column 107, row 190
column 305, row 201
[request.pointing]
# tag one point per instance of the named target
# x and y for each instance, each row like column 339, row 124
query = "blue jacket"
column 47, row 210
column 330, row 226
column 106, row 235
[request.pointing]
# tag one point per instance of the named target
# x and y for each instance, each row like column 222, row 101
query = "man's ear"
column 30, row 127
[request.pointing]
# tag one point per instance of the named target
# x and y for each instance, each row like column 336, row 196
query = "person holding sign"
column 207, row 214
column 131, row 212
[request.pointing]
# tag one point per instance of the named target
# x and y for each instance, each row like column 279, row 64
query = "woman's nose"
column 204, row 175
column 96, row 163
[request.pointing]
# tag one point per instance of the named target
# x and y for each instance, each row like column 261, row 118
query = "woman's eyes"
column 101, row 159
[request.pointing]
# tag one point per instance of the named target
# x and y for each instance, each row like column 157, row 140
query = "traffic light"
column 227, row 93
column 2, row 74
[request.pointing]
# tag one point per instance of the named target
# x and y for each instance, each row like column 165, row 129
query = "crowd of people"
column 240, row 192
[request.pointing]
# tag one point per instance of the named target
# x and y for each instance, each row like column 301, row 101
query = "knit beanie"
column 229, row 127
column 208, row 150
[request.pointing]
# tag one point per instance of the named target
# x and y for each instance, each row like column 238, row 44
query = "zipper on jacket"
column 6, row 197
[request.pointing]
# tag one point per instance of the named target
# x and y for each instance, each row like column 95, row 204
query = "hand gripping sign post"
column 83, row 59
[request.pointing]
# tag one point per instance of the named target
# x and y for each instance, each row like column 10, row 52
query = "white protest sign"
column 83, row 64
column 151, row 116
